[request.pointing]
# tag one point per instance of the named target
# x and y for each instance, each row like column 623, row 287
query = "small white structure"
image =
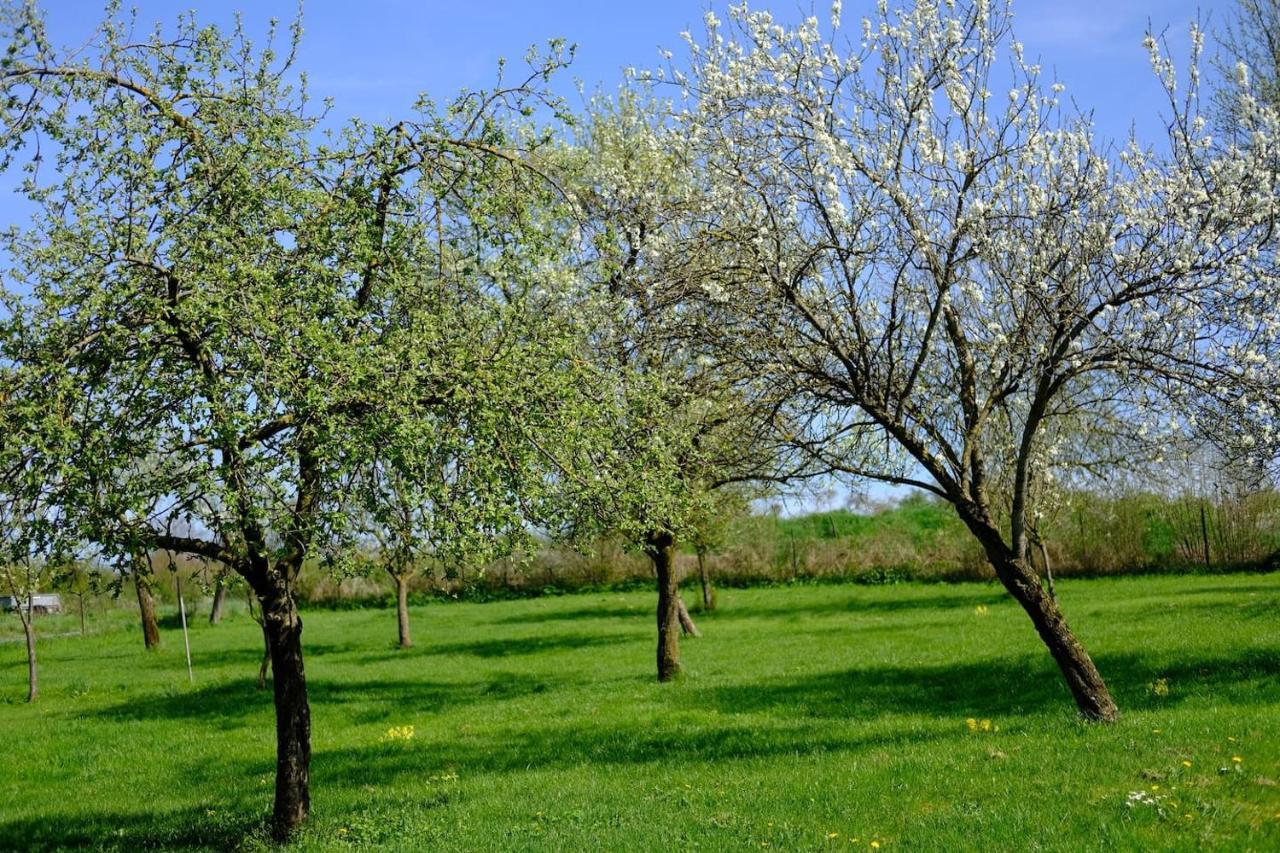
column 41, row 602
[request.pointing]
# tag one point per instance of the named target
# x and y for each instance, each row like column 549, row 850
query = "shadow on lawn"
column 230, row 702
column 828, row 712
column 194, row 829
column 785, row 609
column 993, row 688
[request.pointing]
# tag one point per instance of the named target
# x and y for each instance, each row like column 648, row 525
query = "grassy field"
column 812, row 717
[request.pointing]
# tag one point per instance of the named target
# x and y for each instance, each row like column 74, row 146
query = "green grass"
column 806, row 711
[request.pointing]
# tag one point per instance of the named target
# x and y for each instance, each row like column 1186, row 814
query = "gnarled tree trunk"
column 147, row 609
column 1083, row 679
column 283, row 628
column 661, row 549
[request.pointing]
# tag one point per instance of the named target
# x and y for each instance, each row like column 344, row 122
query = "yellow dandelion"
column 972, row 724
column 1155, row 787
column 986, row 725
column 1237, row 759
column 875, row 845
column 1186, row 763
column 980, row 610
column 833, row 835
column 1233, row 740
column 1155, row 731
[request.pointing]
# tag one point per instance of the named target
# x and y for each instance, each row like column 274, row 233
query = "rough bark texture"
column 283, row 627
column 29, row 629
column 1083, row 679
column 708, row 594
column 402, row 610
column 661, row 549
column 687, row 624
column 147, row 609
column 219, row 596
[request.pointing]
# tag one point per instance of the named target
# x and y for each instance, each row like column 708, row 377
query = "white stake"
column 186, row 641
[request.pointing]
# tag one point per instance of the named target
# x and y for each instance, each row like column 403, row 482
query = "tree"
column 938, row 272
column 709, row 531
column 1246, row 430
column 32, row 528
column 659, row 426
column 1249, row 58
column 232, row 296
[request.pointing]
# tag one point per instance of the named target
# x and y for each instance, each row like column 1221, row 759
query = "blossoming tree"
column 940, row 260
column 659, row 425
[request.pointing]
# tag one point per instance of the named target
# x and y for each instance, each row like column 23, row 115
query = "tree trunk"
column 283, row 628
column 29, row 629
column 219, row 596
column 80, row 599
column 708, row 595
column 1082, row 677
column 147, row 607
column 402, row 610
column 687, row 625
column 661, row 549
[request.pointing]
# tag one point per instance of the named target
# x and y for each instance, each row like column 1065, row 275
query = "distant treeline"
column 918, row 538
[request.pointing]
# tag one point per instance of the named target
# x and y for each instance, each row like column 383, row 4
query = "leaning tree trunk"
column 402, row 610
column 219, row 596
column 1082, row 677
column 147, row 608
column 29, row 629
column 661, row 549
column 283, row 628
column 687, row 625
column 708, row 594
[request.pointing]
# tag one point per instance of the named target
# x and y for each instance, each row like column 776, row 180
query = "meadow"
column 914, row 717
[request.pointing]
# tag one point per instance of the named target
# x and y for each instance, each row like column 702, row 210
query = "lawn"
column 811, row 717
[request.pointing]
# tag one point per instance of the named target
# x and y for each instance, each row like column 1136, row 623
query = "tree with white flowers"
column 940, row 260
column 660, row 426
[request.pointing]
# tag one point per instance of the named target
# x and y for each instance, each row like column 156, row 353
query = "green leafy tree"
column 236, row 299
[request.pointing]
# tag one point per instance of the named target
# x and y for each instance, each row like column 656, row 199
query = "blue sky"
column 373, row 57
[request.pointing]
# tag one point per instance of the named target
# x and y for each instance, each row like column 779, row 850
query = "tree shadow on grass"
column 513, row 646
column 993, row 688
column 191, row 829
column 230, row 702
column 578, row 614
column 788, row 608
column 502, row 647
column 826, row 712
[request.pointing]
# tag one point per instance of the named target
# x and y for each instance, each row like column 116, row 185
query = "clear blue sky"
column 373, row 57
